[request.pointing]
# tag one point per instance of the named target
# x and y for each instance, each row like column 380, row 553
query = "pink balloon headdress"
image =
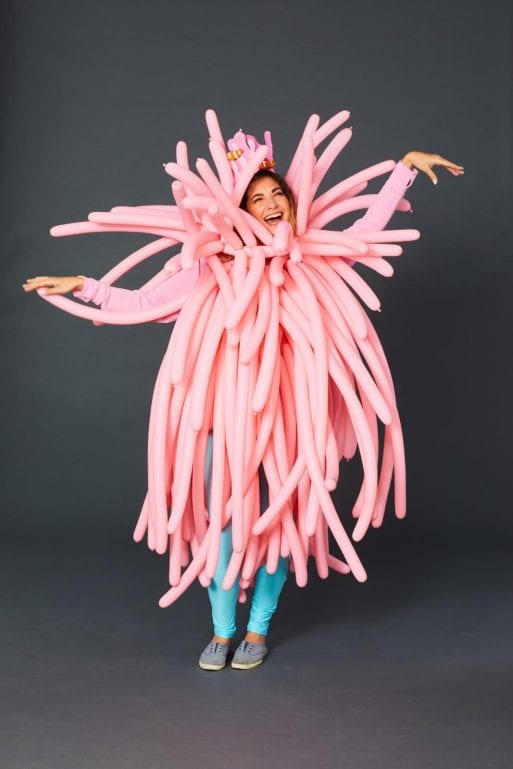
column 242, row 148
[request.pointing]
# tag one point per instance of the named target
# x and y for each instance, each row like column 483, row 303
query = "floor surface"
column 412, row 670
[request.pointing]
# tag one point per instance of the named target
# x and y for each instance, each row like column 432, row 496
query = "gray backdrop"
column 95, row 96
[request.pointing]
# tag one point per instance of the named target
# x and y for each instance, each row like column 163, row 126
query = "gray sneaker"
column 249, row 655
column 214, row 655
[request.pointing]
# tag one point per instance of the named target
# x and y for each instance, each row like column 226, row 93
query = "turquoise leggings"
column 267, row 586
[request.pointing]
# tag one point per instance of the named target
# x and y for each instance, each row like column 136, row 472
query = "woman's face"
column 267, row 202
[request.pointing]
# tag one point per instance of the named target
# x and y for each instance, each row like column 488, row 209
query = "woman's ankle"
column 220, row 639
column 254, row 638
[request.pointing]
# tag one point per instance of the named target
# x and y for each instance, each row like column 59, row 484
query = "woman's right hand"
column 55, row 284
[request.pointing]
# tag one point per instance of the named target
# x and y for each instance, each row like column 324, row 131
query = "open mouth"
column 273, row 218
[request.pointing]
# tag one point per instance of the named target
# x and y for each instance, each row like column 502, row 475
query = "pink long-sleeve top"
column 179, row 285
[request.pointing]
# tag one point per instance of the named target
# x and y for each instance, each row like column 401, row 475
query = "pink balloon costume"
column 273, row 355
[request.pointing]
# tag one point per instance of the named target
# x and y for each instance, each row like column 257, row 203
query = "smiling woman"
column 270, row 199
column 274, row 373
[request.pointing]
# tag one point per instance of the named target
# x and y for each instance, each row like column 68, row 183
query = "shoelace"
column 249, row 646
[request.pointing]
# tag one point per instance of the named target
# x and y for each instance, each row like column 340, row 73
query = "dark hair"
column 281, row 183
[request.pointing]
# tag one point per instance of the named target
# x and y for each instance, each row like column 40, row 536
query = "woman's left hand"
column 424, row 161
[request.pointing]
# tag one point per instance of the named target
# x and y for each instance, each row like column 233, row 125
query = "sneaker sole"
column 246, row 665
column 207, row 666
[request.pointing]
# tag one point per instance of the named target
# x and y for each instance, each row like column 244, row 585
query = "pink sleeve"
column 385, row 203
column 125, row 300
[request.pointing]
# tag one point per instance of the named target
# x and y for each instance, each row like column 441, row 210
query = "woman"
column 269, row 199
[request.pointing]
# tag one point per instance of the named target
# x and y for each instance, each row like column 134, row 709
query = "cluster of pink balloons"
column 274, row 353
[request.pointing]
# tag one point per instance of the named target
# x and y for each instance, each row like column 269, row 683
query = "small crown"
column 242, row 148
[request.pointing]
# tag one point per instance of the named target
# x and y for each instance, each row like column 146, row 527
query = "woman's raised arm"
column 383, row 206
